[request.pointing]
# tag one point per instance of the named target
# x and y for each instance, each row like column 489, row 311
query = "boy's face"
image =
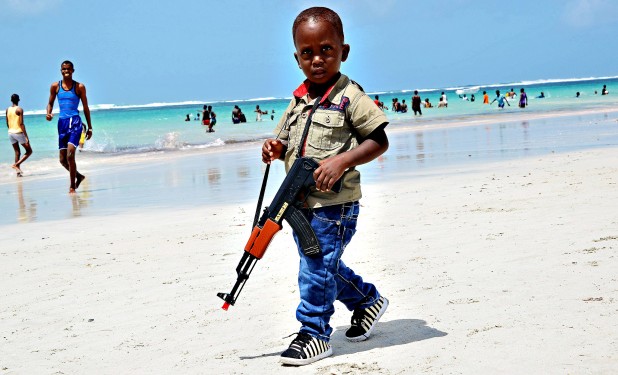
column 319, row 51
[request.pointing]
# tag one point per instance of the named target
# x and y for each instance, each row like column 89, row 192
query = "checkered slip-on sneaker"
column 364, row 320
column 305, row 349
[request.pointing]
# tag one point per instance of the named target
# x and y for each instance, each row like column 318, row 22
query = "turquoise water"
column 160, row 128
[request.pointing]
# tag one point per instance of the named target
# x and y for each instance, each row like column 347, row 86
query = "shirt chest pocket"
column 328, row 131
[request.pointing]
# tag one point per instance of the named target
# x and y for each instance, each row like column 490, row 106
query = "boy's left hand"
column 329, row 172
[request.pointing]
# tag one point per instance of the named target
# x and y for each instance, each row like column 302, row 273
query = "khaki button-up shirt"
column 344, row 118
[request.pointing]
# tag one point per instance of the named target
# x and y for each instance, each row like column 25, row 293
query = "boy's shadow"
column 388, row 333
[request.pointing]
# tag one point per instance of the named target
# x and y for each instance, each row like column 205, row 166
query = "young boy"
column 70, row 125
column 17, row 133
column 347, row 130
column 501, row 99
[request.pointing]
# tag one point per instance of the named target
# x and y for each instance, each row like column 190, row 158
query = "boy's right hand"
column 49, row 117
column 272, row 149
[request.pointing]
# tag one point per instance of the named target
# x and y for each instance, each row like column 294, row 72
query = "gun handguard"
column 285, row 206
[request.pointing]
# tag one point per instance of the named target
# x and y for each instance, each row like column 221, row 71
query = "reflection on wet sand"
column 242, row 172
column 420, row 147
column 80, row 199
column 26, row 212
column 214, row 176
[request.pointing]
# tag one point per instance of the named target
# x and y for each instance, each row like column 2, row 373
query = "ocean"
column 161, row 127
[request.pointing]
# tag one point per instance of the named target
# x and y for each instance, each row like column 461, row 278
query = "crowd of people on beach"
column 502, row 99
column 209, row 117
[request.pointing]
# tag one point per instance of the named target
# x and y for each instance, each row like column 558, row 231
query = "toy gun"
column 285, row 206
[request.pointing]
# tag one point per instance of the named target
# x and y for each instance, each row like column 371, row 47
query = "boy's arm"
column 20, row 112
column 331, row 169
column 52, row 99
column 84, row 98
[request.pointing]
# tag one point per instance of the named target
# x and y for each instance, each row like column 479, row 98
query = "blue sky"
column 139, row 52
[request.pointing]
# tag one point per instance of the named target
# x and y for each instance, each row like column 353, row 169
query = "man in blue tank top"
column 70, row 125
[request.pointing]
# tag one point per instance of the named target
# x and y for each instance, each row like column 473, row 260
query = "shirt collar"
column 303, row 89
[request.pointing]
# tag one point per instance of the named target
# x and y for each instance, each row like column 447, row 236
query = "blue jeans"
column 325, row 278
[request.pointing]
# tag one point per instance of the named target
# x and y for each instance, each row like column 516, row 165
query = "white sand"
column 506, row 268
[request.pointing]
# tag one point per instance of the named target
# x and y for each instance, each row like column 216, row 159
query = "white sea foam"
column 169, row 141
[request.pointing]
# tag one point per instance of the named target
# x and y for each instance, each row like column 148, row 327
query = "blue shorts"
column 69, row 131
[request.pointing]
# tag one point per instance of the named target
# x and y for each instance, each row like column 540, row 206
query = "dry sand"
column 505, row 267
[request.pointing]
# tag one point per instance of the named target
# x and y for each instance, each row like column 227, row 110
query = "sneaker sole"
column 305, row 361
column 366, row 335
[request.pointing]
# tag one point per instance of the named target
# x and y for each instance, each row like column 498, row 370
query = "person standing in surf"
column 523, row 99
column 69, row 93
column 17, row 133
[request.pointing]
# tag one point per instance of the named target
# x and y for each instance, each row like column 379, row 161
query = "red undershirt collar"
column 303, row 90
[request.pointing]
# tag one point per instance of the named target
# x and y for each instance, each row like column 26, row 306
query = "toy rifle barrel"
column 244, row 269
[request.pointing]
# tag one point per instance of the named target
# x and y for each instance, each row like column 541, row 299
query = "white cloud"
column 584, row 13
column 28, row 6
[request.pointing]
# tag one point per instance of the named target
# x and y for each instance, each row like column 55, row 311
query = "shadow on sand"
column 386, row 334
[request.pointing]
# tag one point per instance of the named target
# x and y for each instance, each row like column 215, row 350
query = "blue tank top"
column 68, row 101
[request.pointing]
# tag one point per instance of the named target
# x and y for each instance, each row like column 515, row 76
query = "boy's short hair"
column 68, row 63
column 319, row 14
column 14, row 98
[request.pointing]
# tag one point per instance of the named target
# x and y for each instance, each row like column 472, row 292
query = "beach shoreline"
column 233, row 173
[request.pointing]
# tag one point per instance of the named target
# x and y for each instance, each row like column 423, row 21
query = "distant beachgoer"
column 205, row 116
column 444, row 100
column 69, row 93
column 472, row 98
column 212, row 119
column 379, row 103
column 404, row 106
column 595, row 92
column 501, row 100
column 236, row 115
column 188, row 118
column 259, row 113
column 197, row 117
column 577, row 94
column 464, row 97
column 427, row 103
column 242, row 117
column 523, row 98
column 541, row 96
column 511, row 94
column 604, row 91
column 485, row 98
column 272, row 115
column 396, row 105
column 416, row 104
column 17, row 133
column 441, row 103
